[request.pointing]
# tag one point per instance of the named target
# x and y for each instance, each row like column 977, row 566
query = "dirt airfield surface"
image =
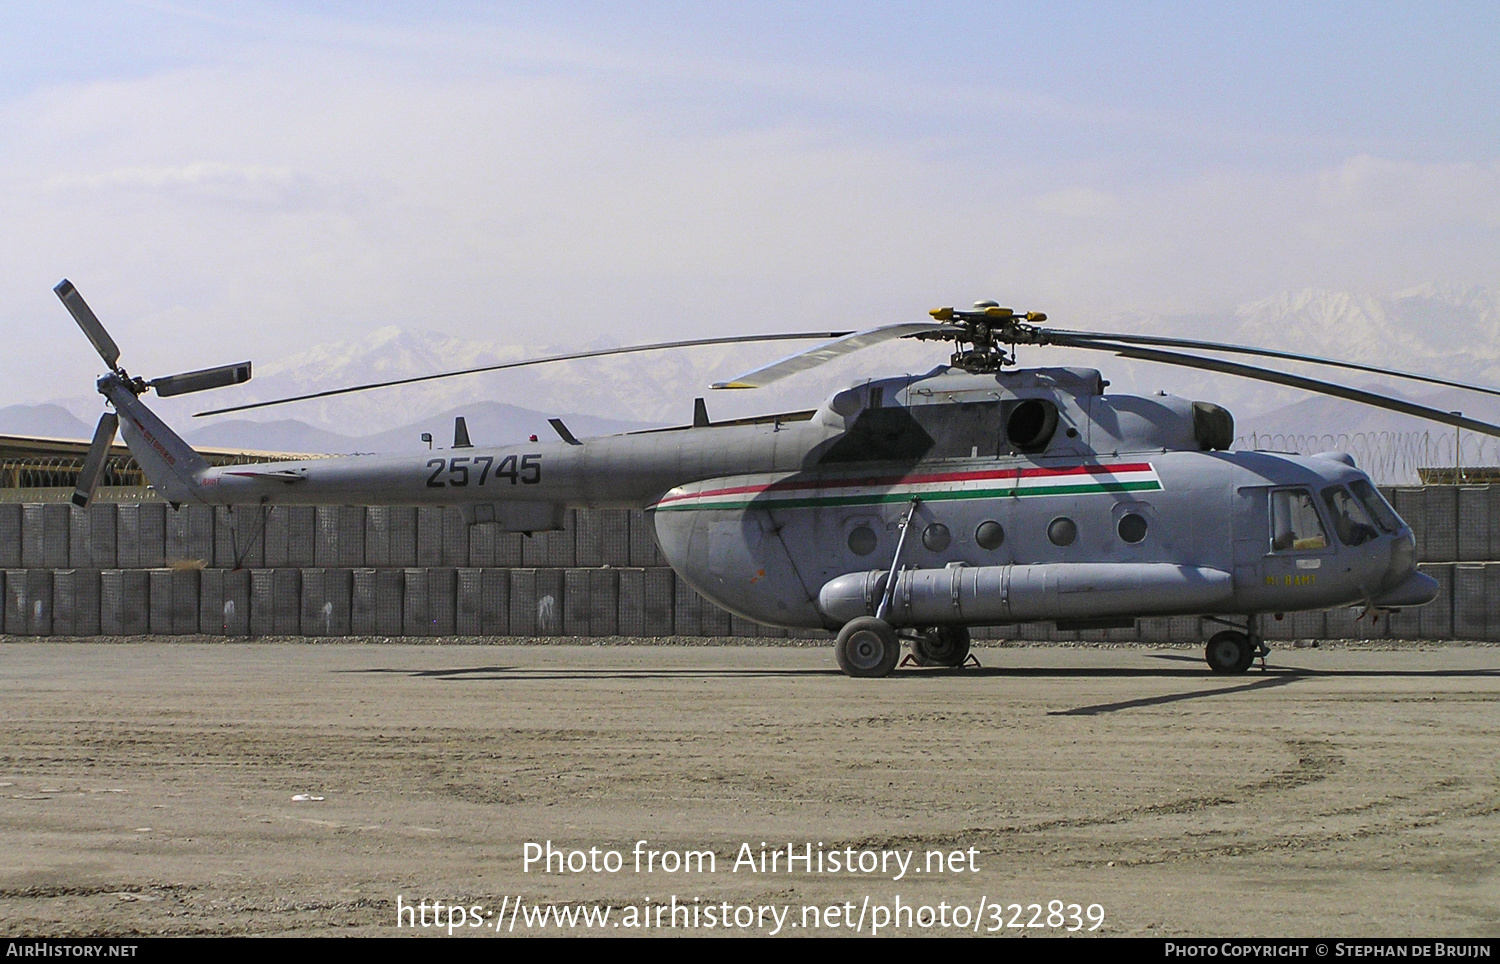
column 288, row 788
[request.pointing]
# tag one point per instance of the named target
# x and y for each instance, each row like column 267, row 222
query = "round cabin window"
column 936, row 537
column 1132, row 527
column 1062, row 531
column 862, row 541
column 989, row 535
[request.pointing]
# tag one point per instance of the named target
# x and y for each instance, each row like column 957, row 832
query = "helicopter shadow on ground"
column 514, row 674
column 1354, row 673
column 1273, row 677
column 1099, row 709
column 522, row 673
column 510, row 673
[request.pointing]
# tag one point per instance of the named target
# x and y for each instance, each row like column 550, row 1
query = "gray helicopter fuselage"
column 1031, row 495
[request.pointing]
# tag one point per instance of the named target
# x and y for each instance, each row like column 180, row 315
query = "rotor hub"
column 985, row 328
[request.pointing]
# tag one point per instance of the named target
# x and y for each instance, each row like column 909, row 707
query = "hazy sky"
column 225, row 181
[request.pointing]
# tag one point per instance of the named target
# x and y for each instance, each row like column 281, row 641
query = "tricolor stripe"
column 803, row 492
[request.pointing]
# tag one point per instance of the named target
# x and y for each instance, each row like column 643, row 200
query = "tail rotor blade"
column 93, row 465
column 185, row 382
column 86, row 319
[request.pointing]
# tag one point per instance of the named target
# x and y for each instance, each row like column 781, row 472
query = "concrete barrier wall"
column 442, row 601
column 152, row 535
column 134, row 568
column 1451, row 523
column 336, row 601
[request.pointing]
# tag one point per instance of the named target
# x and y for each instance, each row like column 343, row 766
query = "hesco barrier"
column 319, row 601
column 152, row 535
column 442, row 601
column 551, row 601
column 134, row 568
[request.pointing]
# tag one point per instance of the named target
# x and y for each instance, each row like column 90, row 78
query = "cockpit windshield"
column 1375, row 503
column 1350, row 520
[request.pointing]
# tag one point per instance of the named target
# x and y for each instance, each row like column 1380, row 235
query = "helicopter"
column 908, row 508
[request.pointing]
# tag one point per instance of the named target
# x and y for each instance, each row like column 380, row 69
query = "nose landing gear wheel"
column 1229, row 652
column 943, row 646
column 867, row 647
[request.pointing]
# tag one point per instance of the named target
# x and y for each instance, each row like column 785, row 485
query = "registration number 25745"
column 464, row 470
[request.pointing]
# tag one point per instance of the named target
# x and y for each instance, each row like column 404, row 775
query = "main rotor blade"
column 572, row 356
column 1290, row 380
column 821, row 355
column 84, row 315
column 1262, row 352
column 201, row 380
column 93, row 464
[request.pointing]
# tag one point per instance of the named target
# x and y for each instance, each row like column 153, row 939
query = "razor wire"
column 119, row 471
column 1395, row 458
column 40, row 473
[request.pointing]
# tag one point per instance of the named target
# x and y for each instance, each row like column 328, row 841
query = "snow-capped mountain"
column 1439, row 329
column 1447, row 331
column 643, row 389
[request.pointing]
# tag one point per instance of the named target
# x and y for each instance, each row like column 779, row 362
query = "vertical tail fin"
column 170, row 464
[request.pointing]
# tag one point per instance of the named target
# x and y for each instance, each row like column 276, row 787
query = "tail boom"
column 170, row 464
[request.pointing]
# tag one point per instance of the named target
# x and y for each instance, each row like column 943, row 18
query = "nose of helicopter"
column 1403, row 559
column 1402, row 584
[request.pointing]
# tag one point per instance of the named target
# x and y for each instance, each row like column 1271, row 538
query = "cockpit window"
column 1375, row 504
column 1295, row 526
column 1350, row 520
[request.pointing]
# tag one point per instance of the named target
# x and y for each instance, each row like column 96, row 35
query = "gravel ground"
column 282, row 787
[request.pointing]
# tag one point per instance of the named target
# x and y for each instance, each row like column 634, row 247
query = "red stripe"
column 793, row 485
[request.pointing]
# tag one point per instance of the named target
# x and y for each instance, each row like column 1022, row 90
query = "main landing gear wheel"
column 1229, row 652
column 867, row 647
column 943, row 646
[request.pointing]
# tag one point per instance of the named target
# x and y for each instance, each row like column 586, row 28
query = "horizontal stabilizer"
column 279, row 475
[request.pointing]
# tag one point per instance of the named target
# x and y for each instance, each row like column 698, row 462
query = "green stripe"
column 890, row 497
